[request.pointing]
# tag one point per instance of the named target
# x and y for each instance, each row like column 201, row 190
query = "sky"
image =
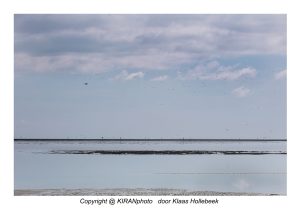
column 150, row 76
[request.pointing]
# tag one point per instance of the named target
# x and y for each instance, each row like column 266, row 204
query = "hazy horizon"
column 158, row 139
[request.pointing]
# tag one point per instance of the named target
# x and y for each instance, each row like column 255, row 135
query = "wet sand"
column 127, row 192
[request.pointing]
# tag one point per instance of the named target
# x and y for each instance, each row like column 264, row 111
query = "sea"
column 257, row 166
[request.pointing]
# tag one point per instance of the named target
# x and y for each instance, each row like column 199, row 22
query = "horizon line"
column 148, row 139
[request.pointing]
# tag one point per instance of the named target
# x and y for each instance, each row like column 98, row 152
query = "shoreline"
column 151, row 139
column 128, row 192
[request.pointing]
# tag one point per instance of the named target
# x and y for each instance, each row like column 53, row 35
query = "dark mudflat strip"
column 162, row 152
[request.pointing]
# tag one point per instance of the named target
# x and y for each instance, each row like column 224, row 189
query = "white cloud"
column 241, row 91
column 235, row 74
column 124, row 75
column 215, row 71
column 280, row 75
column 160, row 78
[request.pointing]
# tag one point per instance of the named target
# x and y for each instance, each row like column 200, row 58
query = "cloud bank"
column 141, row 43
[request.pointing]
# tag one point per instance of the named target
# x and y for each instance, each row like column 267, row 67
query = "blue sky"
column 150, row 76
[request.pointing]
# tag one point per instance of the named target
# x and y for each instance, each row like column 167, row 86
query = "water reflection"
column 224, row 173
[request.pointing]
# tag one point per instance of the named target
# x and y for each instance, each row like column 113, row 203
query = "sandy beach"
column 127, row 192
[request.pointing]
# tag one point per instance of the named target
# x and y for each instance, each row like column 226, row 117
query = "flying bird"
column 86, row 84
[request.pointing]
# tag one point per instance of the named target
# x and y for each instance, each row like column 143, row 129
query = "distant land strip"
column 226, row 173
column 162, row 152
column 150, row 139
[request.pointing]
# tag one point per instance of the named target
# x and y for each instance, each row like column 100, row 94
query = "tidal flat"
column 150, row 167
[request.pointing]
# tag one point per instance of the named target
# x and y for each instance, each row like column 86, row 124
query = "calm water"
column 35, row 168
